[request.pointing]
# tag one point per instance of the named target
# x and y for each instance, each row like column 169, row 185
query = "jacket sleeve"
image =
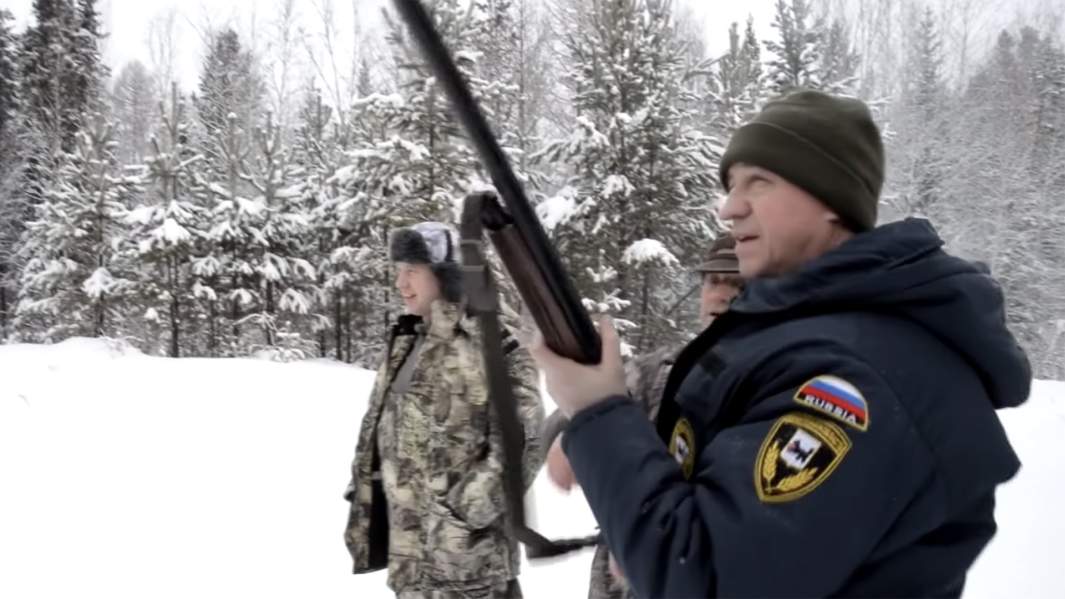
column 526, row 386
column 737, row 525
column 477, row 497
column 553, row 426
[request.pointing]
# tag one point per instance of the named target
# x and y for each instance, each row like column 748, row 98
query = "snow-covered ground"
column 127, row 476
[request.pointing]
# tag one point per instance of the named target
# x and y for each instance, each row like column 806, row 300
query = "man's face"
column 418, row 287
column 717, row 293
column 778, row 227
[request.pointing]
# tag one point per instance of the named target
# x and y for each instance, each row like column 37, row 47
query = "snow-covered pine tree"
column 58, row 69
column 134, row 108
column 226, row 282
column 229, row 85
column 46, row 75
column 638, row 206
column 354, row 280
column 168, row 228
column 738, row 87
column 697, row 63
column 76, row 275
column 796, row 51
column 59, row 74
column 315, row 154
column 433, row 166
column 920, row 147
column 9, row 95
column 61, row 69
column 257, row 286
column 1044, row 60
column 838, row 62
column 282, row 62
column 383, row 184
column 811, row 51
column 531, row 53
column 40, row 70
column 1009, row 210
column 41, row 126
column 287, row 289
column 495, row 62
column 334, row 241
column 1046, row 66
column 11, row 211
column 753, row 68
column 90, row 75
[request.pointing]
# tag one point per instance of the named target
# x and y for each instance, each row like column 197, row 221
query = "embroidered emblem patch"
column 837, row 398
column 682, row 446
column 798, row 454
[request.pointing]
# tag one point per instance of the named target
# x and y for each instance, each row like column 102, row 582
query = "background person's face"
column 778, row 226
column 717, row 292
column 418, row 287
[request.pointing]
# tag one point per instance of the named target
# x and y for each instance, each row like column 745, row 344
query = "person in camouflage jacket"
column 427, row 489
column 645, row 378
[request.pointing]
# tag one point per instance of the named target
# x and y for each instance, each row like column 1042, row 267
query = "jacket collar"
column 447, row 320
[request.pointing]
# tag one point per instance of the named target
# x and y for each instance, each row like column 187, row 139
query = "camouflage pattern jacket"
column 447, row 522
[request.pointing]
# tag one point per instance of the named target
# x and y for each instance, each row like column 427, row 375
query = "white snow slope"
column 128, row 476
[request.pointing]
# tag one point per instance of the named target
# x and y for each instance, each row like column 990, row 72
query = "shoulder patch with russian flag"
column 836, row 397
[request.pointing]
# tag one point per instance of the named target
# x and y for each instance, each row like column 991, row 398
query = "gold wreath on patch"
column 682, row 446
column 798, row 454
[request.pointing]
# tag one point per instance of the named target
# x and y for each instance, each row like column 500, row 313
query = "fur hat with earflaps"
column 435, row 244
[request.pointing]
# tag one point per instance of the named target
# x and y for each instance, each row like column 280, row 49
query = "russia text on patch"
column 837, row 398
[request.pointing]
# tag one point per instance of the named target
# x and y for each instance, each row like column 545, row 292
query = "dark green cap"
column 722, row 257
column 827, row 145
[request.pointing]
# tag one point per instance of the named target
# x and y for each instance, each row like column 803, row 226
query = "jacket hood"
column 900, row 268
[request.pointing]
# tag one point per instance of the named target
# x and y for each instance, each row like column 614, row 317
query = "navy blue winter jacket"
column 834, row 434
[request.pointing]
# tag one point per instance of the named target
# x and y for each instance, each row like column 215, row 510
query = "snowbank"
column 132, row 476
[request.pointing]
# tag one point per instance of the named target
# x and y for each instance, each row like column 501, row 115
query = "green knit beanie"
column 827, row 145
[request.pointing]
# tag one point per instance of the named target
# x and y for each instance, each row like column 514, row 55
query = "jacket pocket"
column 462, row 553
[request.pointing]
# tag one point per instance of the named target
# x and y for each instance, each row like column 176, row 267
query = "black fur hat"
column 434, row 244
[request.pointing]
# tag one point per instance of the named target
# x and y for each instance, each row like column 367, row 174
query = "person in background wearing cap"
column 834, row 433
column 720, row 280
column 645, row 379
column 426, row 492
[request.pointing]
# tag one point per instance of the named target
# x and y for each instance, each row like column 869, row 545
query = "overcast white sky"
column 127, row 21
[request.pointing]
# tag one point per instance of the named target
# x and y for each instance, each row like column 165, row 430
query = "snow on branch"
column 649, row 251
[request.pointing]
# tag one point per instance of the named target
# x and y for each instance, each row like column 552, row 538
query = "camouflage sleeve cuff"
column 552, row 428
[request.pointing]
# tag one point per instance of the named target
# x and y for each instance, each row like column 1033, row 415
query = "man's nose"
column 733, row 208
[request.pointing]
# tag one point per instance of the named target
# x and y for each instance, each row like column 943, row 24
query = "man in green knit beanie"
column 827, row 149
column 834, row 433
